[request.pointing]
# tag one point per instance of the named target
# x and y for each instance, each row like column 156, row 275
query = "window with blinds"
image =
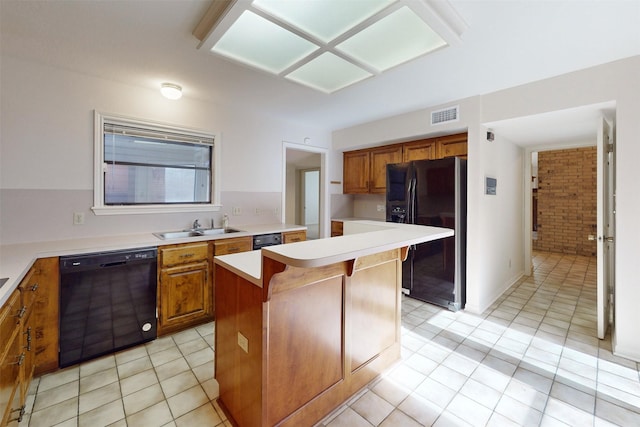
column 144, row 165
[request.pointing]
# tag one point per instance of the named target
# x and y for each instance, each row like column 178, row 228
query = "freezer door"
column 398, row 181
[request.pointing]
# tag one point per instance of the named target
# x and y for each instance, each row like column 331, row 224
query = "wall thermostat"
column 490, row 186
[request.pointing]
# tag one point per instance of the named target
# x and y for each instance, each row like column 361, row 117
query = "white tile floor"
column 532, row 359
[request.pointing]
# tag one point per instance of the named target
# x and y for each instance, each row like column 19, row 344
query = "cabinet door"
column 355, row 172
column 452, row 146
column 10, row 378
column 185, row 296
column 380, row 158
column 28, row 345
column 424, row 149
column 46, row 317
column 294, row 236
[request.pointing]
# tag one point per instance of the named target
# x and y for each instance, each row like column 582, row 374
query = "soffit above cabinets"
column 327, row 45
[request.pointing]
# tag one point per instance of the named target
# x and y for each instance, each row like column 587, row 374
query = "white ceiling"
column 144, row 43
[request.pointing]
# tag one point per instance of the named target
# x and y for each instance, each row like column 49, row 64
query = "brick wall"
column 567, row 201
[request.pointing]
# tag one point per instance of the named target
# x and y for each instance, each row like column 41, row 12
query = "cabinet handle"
column 187, row 255
column 28, row 334
column 34, row 287
column 22, row 311
column 20, row 414
column 20, row 360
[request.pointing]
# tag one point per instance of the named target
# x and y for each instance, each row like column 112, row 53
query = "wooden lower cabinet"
column 45, row 317
column 185, row 294
column 290, row 351
column 294, row 236
column 10, row 359
column 18, row 343
column 336, row 228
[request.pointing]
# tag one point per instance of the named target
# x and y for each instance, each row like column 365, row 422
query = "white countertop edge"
column 316, row 253
column 247, row 265
column 16, row 259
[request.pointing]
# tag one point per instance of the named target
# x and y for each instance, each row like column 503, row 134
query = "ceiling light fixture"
column 171, row 91
column 327, row 44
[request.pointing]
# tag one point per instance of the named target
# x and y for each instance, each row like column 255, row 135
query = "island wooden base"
column 294, row 350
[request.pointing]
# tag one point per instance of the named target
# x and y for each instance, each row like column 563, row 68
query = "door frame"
column 528, row 189
column 324, row 216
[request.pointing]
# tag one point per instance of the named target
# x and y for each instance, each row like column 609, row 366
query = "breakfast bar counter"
column 302, row 327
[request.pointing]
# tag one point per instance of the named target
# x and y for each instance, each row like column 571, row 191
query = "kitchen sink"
column 195, row 233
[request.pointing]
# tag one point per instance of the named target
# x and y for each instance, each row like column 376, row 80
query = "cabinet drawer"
column 294, row 236
column 232, row 246
column 183, row 254
column 9, row 320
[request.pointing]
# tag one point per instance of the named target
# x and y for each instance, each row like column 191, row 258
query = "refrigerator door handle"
column 412, row 201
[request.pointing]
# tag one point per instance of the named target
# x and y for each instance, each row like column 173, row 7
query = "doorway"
column 304, row 198
column 556, row 130
column 309, row 206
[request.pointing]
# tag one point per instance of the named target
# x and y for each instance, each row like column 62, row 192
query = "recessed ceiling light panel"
column 328, row 73
column 323, row 19
column 255, row 41
column 393, row 40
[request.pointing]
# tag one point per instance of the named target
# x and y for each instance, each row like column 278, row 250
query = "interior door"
column 605, row 224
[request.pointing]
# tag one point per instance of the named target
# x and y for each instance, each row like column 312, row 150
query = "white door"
column 605, row 224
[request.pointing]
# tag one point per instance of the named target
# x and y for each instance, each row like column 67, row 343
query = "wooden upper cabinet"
column 365, row 171
column 452, row 146
column 355, row 172
column 424, row 149
column 380, row 158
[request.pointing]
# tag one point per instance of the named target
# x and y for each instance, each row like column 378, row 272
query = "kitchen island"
column 302, row 327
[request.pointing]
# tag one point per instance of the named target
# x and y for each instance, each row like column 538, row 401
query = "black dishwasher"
column 107, row 302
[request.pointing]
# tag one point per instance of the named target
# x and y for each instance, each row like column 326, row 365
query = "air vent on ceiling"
column 450, row 114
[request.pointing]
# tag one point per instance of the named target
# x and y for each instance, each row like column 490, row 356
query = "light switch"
column 243, row 342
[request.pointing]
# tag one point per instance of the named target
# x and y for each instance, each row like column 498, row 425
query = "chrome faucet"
column 196, row 225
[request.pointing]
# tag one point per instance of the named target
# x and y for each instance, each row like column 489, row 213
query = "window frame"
column 100, row 208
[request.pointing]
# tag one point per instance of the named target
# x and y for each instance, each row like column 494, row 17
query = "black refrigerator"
column 432, row 192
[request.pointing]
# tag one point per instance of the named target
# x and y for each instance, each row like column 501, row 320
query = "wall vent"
column 449, row 114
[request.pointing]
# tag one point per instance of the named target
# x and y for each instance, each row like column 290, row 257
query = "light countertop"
column 361, row 238
column 16, row 259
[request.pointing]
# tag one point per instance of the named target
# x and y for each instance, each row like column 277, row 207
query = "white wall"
column 46, row 167
column 488, row 252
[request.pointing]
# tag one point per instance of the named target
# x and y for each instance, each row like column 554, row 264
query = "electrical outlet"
column 243, row 342
column 276, row 212
column 236, row 210
column 380, row 208
column 78, row 218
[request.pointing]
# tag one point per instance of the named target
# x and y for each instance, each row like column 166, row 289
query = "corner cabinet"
column 185, row 294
